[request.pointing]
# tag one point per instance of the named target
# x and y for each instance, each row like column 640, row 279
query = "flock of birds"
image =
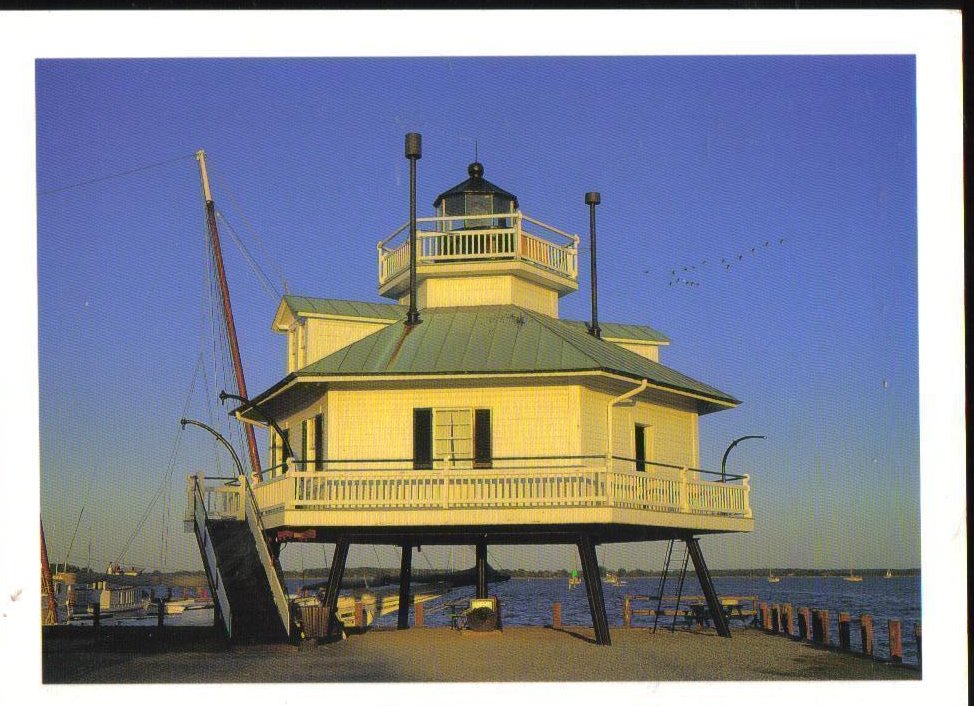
column 678, row 277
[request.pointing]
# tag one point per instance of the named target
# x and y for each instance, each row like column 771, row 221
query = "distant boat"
column 854, row 578
column 614, row 580
column 772, row 578
column 889, row 574
column 574, row 579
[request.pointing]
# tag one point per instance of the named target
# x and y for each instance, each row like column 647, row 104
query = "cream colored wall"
column 646, row 350
column 313, row 338
column 484, row 290
column 673, row 426
column 525, row 420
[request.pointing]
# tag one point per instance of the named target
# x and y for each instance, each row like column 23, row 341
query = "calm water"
column 529, row 601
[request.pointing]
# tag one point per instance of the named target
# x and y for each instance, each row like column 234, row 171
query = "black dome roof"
column 476, row 184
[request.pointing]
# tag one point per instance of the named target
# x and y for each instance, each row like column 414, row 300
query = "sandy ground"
column 518, row 654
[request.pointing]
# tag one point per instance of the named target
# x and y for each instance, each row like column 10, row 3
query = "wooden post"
column 788, row 623
column 804, row 624
column 895, row 642
column 844, row 631
column 866, row 633
column 161, row 615
column 95, row 615
column 820, row 626
column 418, row 615
column 359, row 615
column 816, row 626
column 917, row 636
column 481, row 565
column 627, row 612
column 405, row 576
column 775, row 618
column 765, row 617
column 556, row 615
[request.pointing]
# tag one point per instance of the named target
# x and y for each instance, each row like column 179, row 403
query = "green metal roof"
column 345, row 307
column 629, row 332
column 394, row 312
column 495, row 339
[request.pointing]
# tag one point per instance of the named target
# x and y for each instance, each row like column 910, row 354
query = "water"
column 529, row 601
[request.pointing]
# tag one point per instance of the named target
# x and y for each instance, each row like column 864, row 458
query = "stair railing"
column 212, row 570
column 272, row 569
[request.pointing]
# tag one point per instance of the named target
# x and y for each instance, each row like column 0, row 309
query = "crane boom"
column 227, row 310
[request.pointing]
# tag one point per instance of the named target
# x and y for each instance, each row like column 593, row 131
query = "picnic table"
column 733, row 610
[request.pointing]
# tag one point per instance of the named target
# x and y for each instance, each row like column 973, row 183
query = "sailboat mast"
column 227, row 310
column 47, row 582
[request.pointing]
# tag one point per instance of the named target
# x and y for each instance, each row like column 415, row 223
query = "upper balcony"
column 389, row 496
column 486, row 243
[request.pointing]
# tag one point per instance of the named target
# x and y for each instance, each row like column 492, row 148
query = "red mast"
column 227, row 311
column 47, row 584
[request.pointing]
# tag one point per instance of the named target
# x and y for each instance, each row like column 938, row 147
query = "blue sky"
column 697, row 159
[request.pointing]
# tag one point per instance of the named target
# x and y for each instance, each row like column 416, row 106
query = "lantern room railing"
column 480, row 237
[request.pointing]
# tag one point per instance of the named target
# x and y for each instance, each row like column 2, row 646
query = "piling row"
column 814, row 626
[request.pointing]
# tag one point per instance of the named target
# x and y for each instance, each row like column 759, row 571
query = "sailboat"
column 772, row 578
column 888, row 574
column 854, row 578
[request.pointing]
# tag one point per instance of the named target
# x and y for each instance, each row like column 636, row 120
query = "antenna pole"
column 593, row 198
column 414, row 150
column 227, row 311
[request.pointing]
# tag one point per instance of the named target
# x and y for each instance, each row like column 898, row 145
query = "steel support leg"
column 335, row 575
column 405, row 577
column 707, row 584
column 482, row 569
column 593, row 588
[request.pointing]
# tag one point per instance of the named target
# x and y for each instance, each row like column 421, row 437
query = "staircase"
column 245, row 581
column 255, row 617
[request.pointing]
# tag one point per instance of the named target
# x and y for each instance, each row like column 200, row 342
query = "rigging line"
column 167, row 477
column 254, row 266
column 243, row 214
column 113, row 176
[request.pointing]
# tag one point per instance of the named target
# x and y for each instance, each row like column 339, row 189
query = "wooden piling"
column 775, row 618
column 788, row 621
column 845, row 625
column 895, row 642
column 804, row 624
column 418, row 615
column 866, row 633
column 95, row 615
column 556, row 615
column 360, row 614
column 161, row 612
column 820, row 627
column 765, row 617
column 627, row 612
column 917, row 636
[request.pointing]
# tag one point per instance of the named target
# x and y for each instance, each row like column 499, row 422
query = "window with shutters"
column 452, row 437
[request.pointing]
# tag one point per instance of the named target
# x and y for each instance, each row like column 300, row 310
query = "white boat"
column 614, row 580
column 110, row 599
column 888, row 574
column 772, row 578
column 853, row 578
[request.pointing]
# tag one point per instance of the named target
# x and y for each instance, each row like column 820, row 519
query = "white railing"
column 447, row 239
column 499, row 488
column 205, row 542
column 274, row 578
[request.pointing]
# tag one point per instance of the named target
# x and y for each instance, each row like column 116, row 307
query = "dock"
column 515, row 654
